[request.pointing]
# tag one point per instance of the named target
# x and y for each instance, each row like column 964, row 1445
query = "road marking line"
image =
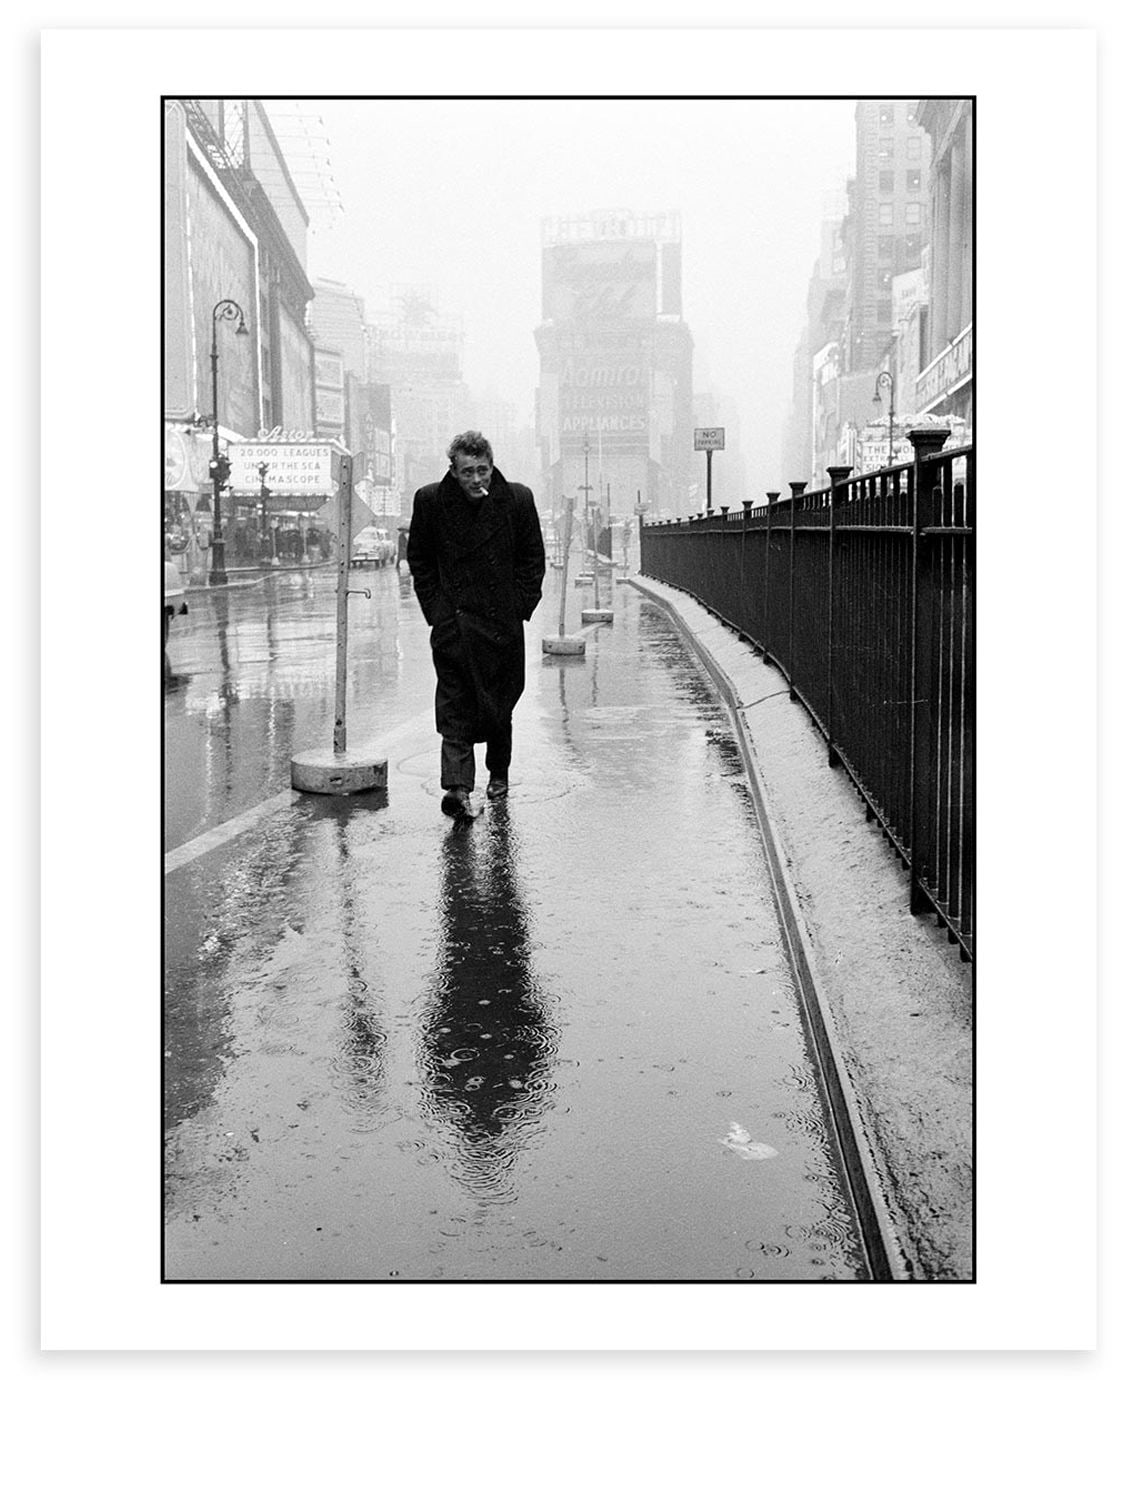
column 234, row 827
column 185, row 853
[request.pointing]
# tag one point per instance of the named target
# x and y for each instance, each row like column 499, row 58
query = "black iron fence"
column 862, row 596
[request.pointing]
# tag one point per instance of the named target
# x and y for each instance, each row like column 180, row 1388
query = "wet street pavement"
column 558, row 1043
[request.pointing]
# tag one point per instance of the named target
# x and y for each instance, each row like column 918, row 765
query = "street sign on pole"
column 339, row 771
column 707, row 440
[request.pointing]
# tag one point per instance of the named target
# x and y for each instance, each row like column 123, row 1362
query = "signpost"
column 337, row 771
column 563, row 644
column 597, row 615
column 707, row 439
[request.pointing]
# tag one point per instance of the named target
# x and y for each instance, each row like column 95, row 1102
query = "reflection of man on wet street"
column 476, row 557
column 488, row 1040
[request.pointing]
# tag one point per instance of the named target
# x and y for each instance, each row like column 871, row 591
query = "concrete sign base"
column 327, row 773
column 564, row 645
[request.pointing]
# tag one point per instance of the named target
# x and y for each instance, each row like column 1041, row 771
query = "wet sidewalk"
column 559, row 1043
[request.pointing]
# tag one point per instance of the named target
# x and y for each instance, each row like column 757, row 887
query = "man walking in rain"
column 476, row 558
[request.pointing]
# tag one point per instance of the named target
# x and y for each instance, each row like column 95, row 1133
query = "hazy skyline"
column 451, row 194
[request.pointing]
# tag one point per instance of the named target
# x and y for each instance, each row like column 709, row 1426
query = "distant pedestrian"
column 476, row 557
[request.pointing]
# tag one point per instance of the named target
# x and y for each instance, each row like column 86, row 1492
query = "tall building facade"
column 513, row 441
column 888, row 214
column 944, row 385
column 869, row 302
column 420, row 355
column 336, row 321
column 229, row 234
column 340, row 336
column 614, row 401
column 818, row 358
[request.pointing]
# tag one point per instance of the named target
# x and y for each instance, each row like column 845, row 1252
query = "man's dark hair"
column 471, row 444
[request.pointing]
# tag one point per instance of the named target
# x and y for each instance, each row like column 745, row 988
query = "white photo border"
column 1036, row 985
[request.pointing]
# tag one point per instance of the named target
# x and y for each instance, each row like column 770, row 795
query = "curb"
column 251, row 576
column 210, row 588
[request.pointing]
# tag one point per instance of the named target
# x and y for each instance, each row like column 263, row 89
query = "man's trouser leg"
column 454, row 707
column 458, row 764
column 498, row 754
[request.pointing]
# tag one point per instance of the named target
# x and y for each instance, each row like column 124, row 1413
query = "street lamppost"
column 227, row 311
column 885, row 377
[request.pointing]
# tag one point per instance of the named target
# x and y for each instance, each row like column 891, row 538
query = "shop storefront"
column 945, row 387
column 188, row 521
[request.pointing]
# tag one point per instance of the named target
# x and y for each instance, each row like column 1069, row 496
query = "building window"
column 912, row 247
column 914, row 180
column 914, row 213
column 886, row 182
column 887, row 148
column 886, row 213
column 914, row 147
column 886, row 114
column 886, row 247
column 883, row 279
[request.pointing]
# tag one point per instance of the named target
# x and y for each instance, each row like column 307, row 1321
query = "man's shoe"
column 456, row 803
column 497, row 787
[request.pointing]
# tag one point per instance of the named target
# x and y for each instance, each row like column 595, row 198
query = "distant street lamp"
column 885, row 377
column 263, row 545
column 226, row 310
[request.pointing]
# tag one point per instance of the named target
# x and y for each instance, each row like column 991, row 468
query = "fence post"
column 838, row 474
column 745, row 613
column 926, row 441
column 772, row 497
column 797, row 488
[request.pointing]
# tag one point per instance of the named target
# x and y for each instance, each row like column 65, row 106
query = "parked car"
column 372, row 545
column 175, row 601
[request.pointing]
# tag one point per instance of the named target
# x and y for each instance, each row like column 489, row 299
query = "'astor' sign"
column 284, row 435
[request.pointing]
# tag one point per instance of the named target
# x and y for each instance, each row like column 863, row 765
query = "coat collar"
column 499, row 491
column 468, row 523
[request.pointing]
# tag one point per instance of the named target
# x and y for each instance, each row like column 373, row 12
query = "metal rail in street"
column 859, row 1174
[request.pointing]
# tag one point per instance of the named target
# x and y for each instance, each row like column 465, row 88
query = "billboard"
column 604, row 392
column 671, row 279
column 369, row 427
column 187, row 457
column 329, row 394
column 329, row 369
column 294, row 468
column 600, row 282
column 412, row 352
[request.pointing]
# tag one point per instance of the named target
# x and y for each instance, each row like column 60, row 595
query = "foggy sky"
column 451, row 194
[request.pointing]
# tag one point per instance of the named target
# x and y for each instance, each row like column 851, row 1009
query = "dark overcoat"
column 477, row 568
